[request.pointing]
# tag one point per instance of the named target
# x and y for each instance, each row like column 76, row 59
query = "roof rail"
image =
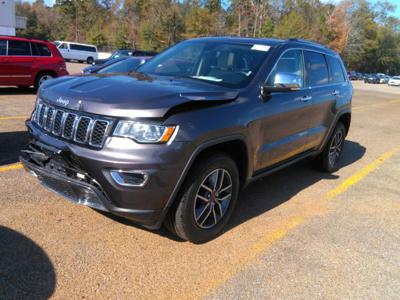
column 22, row 37
column 307, row 42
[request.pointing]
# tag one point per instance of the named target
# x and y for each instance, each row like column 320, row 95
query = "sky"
column 395, row 2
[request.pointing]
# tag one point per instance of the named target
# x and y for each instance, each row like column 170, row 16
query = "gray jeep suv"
column 174, row 142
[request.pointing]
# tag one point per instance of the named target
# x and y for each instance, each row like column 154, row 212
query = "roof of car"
column 269, row 41
column 15, row 38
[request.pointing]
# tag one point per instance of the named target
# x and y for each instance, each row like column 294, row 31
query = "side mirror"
column 283, row 82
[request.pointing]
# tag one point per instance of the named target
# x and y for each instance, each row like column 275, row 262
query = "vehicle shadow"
column 272, row 190
column 26, row 271
column 11, row 144
column 277, row 188
column 17, row 91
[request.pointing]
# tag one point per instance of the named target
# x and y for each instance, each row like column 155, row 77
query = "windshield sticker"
column 210, row 78
column 259, row 47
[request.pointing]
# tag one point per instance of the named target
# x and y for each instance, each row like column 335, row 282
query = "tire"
column 41, row 78
column 196, row 220
column 89, row 60
column 328, row 159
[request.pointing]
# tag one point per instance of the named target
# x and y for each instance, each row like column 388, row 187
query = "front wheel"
column 328, row 159
column 207, row 199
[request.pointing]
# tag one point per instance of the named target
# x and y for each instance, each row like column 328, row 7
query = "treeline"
column 365, row 34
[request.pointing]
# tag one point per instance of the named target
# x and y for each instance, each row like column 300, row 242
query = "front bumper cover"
column 87, row 194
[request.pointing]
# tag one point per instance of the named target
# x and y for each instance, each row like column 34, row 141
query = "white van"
column 76, row 51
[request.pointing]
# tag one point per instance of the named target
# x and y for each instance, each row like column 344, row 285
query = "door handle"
column 305, row 98
column 335, row 93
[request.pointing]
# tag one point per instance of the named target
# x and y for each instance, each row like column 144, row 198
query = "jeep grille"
column 71, row 125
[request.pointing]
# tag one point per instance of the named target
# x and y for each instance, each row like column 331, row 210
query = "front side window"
column 316, row 68
column 3, row 47
column 225, row 64
column 19, row 48
column 337, row 75
column 289, row 69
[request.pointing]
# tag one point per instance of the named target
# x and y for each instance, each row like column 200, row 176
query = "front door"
column 284, row 116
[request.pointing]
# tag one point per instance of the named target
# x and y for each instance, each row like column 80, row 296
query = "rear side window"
column 335, row 69
column 82, row 48
column 316, row 68
column 19, row 48
column 3, row 47
column 39, row 49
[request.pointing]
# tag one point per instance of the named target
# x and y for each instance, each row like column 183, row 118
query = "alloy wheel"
column 213, row 198
column 335, row 148
column 44, row 78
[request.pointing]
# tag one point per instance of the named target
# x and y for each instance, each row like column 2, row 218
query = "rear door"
column 324, row 95
column 42, row 57
column 19, row 63
column 284, row 119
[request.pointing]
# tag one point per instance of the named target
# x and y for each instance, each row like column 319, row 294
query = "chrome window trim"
column 304, row 65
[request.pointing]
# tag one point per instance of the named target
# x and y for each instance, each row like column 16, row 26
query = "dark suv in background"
column 123, row 53
column 174, row 142
column 26, row 62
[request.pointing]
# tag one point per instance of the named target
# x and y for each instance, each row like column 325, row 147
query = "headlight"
column 145, row 132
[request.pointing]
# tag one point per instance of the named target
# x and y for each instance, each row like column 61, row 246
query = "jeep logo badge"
column 62, row 101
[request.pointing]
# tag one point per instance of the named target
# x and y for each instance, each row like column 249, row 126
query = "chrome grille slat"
column 70, row 125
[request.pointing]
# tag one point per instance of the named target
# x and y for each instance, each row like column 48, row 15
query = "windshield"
column 124, row 66
column 225, row 64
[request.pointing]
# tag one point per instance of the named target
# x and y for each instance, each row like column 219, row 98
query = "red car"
column 25, row 62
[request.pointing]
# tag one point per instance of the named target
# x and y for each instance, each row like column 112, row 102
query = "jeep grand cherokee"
column 174, row 142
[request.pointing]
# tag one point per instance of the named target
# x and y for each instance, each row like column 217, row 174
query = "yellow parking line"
column 352, row 180
column 271, row 238
column 11, row 167
column 5, row 118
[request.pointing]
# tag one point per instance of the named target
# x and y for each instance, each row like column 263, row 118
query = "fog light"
column 129, row 178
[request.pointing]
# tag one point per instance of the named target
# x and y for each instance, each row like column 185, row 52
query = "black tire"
column 336, row 141
column 181, row 219
column 41, row 77
column 89, row 60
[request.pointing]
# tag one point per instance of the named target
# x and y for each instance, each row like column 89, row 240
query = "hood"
column 131, row 96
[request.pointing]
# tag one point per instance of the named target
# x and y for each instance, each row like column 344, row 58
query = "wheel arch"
column 226, row 145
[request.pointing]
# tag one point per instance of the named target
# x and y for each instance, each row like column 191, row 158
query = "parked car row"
column 124, row 64
column 25, row 62
column 375, row 78
column 123, row 53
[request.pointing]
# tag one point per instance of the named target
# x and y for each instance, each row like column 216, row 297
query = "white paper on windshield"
column 210, row 78
column 259, row 47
